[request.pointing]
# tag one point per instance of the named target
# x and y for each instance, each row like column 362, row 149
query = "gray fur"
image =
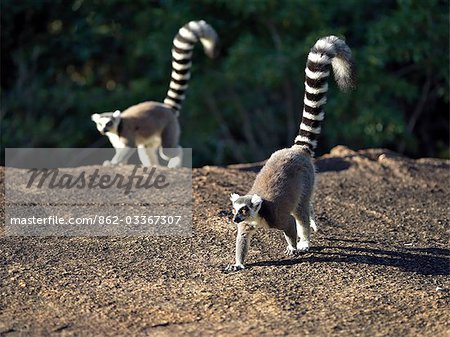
column 282, row 192
column 150, row 126
column 145, row 126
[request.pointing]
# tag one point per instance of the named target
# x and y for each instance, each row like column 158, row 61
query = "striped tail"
column 329, row 50
column 183, row 44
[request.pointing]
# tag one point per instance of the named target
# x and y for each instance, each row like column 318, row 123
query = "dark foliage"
column 63, row 60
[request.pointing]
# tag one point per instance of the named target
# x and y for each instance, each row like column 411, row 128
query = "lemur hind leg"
column 177, row 161
column 290, row 234
column 170, row 150
column 121, row 157
column 303, row 222
column 312, row 217
column 153, row 155
column 143, row 156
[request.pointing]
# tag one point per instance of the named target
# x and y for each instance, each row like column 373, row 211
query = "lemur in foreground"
column 281, row 194
column 150, row 126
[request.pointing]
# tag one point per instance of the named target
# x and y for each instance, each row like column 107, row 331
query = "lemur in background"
column 281, row 194
column 150, row 126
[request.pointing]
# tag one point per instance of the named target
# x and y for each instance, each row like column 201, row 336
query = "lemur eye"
column 109, row 124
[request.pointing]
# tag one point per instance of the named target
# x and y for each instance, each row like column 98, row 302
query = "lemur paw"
column 303, row 246
column 234, row 267
column 107, row 163
column 174, row 163
column 290, row 251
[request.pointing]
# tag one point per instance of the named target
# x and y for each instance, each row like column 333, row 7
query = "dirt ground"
column 379, row 264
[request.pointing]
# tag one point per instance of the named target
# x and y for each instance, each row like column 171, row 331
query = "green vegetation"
column 64, row 60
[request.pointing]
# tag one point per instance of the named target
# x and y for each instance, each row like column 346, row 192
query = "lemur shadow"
column 425, row 261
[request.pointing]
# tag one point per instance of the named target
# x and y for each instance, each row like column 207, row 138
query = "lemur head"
column 246, row 207
column 107, row 121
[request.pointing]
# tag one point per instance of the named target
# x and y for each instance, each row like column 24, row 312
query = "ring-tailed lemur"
column 152, row 125
column 281, row 194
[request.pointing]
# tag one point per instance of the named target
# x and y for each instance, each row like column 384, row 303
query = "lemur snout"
column 237, row 218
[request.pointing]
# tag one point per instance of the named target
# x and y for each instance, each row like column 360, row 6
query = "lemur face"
column 245, row 208
column 107, row 122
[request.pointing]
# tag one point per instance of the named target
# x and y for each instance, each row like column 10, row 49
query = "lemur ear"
column 95, row 117
column 116, row 113
column 256, row 200
column 234, row 197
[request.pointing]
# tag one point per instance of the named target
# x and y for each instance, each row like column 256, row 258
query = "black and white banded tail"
column 328, row 51
column 183, row 44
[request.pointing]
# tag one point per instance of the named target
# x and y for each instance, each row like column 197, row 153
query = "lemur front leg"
column 244, row 234
column 152, row 155
column 170, row 150
column 121, row 157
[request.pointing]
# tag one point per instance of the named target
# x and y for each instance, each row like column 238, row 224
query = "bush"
column 63, row 61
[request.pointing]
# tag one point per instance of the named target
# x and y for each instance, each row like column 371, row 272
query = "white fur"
column 310, row 129
column 101, row 121
column 256, row 200
column 306, row 140
column 312, row 90
column 310, row 116
column 318, row 58
column 177, row 86
column 181, row 45
column 312, row 224
column 152, row 155
column 178, row 77
column 173, row 94
column 179, row 66
column 291, row 250
column 187, row 34
column 234, row 197
column 115, row 140
column 95, row 118
column 195, row 26
column 208, row 45
column 325, row 44
column 315, row 75
column 303, row 245
column 171, row 103
column 314, row 104
column 143, row 157
column 341, row 68
column 181, row 56
column 176, row 161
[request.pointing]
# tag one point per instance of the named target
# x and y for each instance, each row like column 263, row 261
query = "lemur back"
column 286, row 181
column 141, row 122
column 151, row 125
column 281, row 194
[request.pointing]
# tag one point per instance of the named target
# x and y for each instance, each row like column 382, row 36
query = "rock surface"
column 378, row 266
